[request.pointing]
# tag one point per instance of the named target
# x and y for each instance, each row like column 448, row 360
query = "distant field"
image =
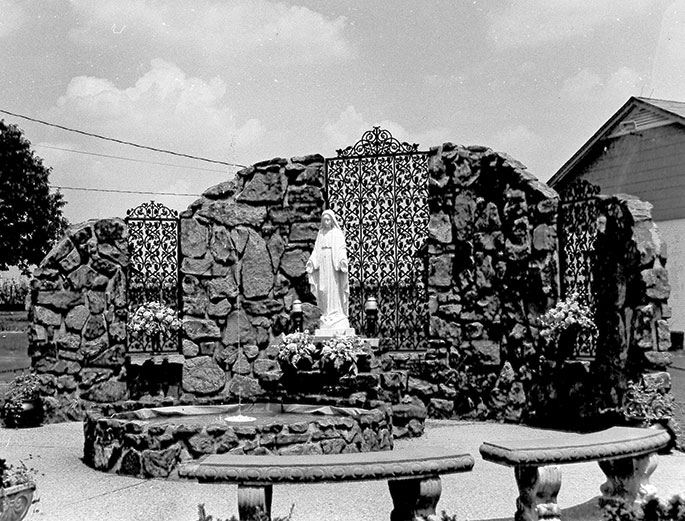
column 13, row 343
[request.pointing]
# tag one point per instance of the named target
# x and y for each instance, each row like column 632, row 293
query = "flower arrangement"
column 153, row 318
column 566, row 315
column 23, row 388
column 645, row 401
column 339, row 354
column 297, row 351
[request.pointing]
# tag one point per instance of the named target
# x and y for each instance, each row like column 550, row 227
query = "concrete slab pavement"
column 71, row 491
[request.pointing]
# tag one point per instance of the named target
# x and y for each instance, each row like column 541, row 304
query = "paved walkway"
column 69, row 490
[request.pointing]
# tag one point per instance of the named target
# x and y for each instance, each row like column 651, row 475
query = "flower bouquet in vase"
column 154, row 321
column 296, row 352
column 339, row 355
column 561, row 325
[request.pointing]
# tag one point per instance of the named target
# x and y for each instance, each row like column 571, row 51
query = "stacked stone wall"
column 631, row 284
column 244, row 246
column 492, row 271
column 78, row 318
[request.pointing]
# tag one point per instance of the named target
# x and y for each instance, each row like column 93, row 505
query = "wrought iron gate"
column 578, row 213
column 153, row 272
column 379, row 188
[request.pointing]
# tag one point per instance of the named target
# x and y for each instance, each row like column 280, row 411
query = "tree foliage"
column 30, row 216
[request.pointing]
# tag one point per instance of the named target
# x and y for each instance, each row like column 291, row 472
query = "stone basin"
column 152, row 442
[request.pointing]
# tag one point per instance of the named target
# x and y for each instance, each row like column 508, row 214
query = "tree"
column 30, row 216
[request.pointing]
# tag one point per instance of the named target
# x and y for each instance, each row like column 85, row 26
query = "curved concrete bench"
column 626, row 455
column 413, row 475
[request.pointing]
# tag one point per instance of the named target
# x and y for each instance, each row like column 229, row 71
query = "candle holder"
column 371, row 311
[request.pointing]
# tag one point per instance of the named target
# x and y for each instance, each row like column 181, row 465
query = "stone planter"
column 15, row 501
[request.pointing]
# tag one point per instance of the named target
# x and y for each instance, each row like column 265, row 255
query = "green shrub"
column 260, row 516
column 652, row 509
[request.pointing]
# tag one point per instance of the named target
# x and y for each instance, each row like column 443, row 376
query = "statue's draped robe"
column 329, row 283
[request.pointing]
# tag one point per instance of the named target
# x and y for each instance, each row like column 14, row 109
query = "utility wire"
column 128, row 159
column 129, row 143
column 121, row 191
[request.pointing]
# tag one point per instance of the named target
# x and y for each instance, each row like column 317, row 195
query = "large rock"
column 200, row 329
column 238, row 330
column 108, row 392
column 440, row 228
column 160, row 463
column 201, row 375
column 440, row 270
column 61, row 300
column 221, row 246
column 294, row 262
column 194, row 238
column 264, row 188
column 257, row 272
column 221, row 288
column 230, row 214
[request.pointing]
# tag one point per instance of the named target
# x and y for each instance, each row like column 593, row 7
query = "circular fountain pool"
column 152, row 442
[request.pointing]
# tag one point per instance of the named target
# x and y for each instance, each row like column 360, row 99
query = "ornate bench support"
column 628, row 478
column 414, row 497
column 253, row 499
column 538, row 490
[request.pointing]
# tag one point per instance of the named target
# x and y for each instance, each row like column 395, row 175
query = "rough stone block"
column 82, row 277
column 544, row 238
column 221, row 245
column 440, row 270
column 222, row 288
column 656, row 282
column 488, row 351
column 231, row 213
column 194, row 238
column 264, row 188
column 440, row 228
column 201, row 375
column 293, row 262
column 199, row 329
column 257, row 272
column 46, row 316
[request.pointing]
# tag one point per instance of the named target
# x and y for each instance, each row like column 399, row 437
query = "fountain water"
column 240, row 417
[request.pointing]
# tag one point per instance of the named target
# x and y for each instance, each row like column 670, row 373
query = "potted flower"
column 23, row 406
column 155, row 321
column 561, row 325
column 644, row 404
column 296, row 352
column 339, row 355
column 17, row 486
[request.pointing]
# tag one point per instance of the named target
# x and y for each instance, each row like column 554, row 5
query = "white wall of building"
column 673, row 233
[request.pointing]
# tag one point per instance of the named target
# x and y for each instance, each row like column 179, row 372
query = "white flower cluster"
column 564, row 315
column 296, row 346
column 152, row 318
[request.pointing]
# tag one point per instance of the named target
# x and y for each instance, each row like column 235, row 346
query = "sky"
column 240, row 81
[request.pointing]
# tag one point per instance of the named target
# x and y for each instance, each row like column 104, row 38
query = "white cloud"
column 12, row 16
column 350, row 126
column 165, row 108
column 535, row 22
column 588, row 87
column 218, row 31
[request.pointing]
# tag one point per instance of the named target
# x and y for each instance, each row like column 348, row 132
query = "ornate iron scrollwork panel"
column 153, row 272
column 379, row 189
column 578, row 213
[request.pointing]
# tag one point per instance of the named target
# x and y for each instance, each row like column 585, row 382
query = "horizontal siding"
column 649, row 165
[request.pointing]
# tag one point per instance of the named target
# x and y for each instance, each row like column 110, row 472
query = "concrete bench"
column 413, row 475
column 626, row 455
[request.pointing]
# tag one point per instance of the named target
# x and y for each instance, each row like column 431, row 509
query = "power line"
column 129, row 143
column 121, row 191
column 129, row 159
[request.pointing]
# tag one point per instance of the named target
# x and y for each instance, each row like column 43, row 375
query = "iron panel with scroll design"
column 153, row 273
column 578, row 213
column 379, row 189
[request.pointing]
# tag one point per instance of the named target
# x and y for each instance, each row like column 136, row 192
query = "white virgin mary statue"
column 327, row 273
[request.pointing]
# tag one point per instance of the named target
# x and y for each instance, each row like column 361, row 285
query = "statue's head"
column 329, row 220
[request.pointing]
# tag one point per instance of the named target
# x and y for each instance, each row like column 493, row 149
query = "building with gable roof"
column 640, row 151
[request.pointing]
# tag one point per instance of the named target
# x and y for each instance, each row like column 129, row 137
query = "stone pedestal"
column 324, row 334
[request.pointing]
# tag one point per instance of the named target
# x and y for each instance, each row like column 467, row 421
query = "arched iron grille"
column 153, row 272
column 379, row 188
column 578, row 213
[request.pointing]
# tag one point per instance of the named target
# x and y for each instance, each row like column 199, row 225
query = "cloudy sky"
column 239, row 81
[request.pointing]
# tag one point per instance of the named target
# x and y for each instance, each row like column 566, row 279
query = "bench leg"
column 538, row 490
column 628, row 478
column 254, row 500
column 414, row 497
